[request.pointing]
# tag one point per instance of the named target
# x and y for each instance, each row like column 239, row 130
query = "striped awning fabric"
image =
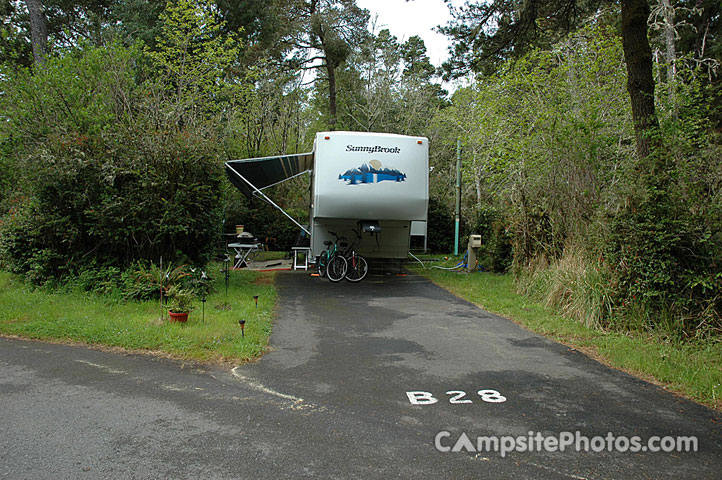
column 264, row 171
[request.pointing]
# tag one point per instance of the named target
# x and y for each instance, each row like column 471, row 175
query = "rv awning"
column 266, row 171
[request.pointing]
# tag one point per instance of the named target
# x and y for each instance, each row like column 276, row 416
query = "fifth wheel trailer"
column 374, row 183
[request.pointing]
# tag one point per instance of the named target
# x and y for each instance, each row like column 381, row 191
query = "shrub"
column 19, row 239
column 440, row 228
column 109, row 178
column 144, row 282
column 496, row 253
column 667, row 266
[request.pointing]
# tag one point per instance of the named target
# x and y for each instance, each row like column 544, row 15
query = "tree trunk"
column 669, row 38
column 38, row 30
column 331, row 94
column 669, row 41
column 477, row 176
column 640, row 81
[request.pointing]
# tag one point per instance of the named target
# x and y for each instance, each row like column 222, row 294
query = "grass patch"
column 693, row 369
column 96, row 320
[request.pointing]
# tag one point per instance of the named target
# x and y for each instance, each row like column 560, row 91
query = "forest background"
column 591, row 133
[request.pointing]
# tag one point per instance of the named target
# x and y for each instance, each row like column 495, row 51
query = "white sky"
column 416, row 17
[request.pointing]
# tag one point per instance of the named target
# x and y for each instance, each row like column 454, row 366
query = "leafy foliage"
column 549, row 159
column 485, row 34
column 440, row 228
column 665, row 242
column 181, row 300
column 192, row 56
column 496, row 252
column 540, row 138
column 116, row 169
column 110, row 151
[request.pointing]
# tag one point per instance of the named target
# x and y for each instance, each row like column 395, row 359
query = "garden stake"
column 227, row 276
column 203, row 294
column 160, row 286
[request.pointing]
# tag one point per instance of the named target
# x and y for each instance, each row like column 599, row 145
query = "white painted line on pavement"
column 544, row 467
column 173, row 388
column 263, row 388
column 104, row 368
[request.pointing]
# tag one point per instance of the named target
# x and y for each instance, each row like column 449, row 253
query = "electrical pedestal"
column 472, row 248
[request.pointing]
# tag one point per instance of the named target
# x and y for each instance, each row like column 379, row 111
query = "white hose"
column 417, row 259
column 459, row 265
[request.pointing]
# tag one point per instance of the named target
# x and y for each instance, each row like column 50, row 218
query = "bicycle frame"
column 357, row 265
column 330, row 252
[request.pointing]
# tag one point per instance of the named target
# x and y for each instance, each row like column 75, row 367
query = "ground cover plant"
column 109, row 321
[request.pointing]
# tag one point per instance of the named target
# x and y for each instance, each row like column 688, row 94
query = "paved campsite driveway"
column 331, row 400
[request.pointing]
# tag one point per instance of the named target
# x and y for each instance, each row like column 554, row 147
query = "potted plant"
column 180, row 303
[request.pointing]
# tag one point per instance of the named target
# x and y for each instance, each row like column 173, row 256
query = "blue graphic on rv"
column 371, row 172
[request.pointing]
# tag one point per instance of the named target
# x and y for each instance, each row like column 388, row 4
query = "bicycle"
column 358, row 267
column 331, row 263
column 322, row 262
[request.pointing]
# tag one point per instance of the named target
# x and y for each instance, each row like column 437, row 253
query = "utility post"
column 457, row 215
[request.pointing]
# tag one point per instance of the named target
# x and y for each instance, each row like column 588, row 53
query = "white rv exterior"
column 380, row 180
column 369, row 177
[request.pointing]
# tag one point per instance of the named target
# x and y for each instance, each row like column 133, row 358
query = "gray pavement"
column 355, row 387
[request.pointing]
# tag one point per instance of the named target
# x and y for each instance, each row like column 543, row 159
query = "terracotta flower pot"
column 178, row 317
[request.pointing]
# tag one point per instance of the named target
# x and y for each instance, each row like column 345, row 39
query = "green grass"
column 92, row 319
column 691, row 369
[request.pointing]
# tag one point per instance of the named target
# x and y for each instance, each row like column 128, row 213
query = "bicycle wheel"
column 337, row 267
column 358, row 268
column 322, row 264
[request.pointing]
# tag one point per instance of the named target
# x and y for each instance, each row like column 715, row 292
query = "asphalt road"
column 355, row 387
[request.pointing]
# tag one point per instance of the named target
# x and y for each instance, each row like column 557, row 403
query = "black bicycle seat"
column 328, row 243
column 343, row 244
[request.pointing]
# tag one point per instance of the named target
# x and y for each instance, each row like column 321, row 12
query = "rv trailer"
column 376, row 184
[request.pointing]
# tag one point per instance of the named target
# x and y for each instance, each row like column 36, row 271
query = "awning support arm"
column 284, row 180
column 265, row 197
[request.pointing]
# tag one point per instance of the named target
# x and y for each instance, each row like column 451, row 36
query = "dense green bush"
column 116, row 151
column 496, row 252
column 666, row 264
column 550, row 167
column 104, row 183
column 664, row 245
column 440, row 228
